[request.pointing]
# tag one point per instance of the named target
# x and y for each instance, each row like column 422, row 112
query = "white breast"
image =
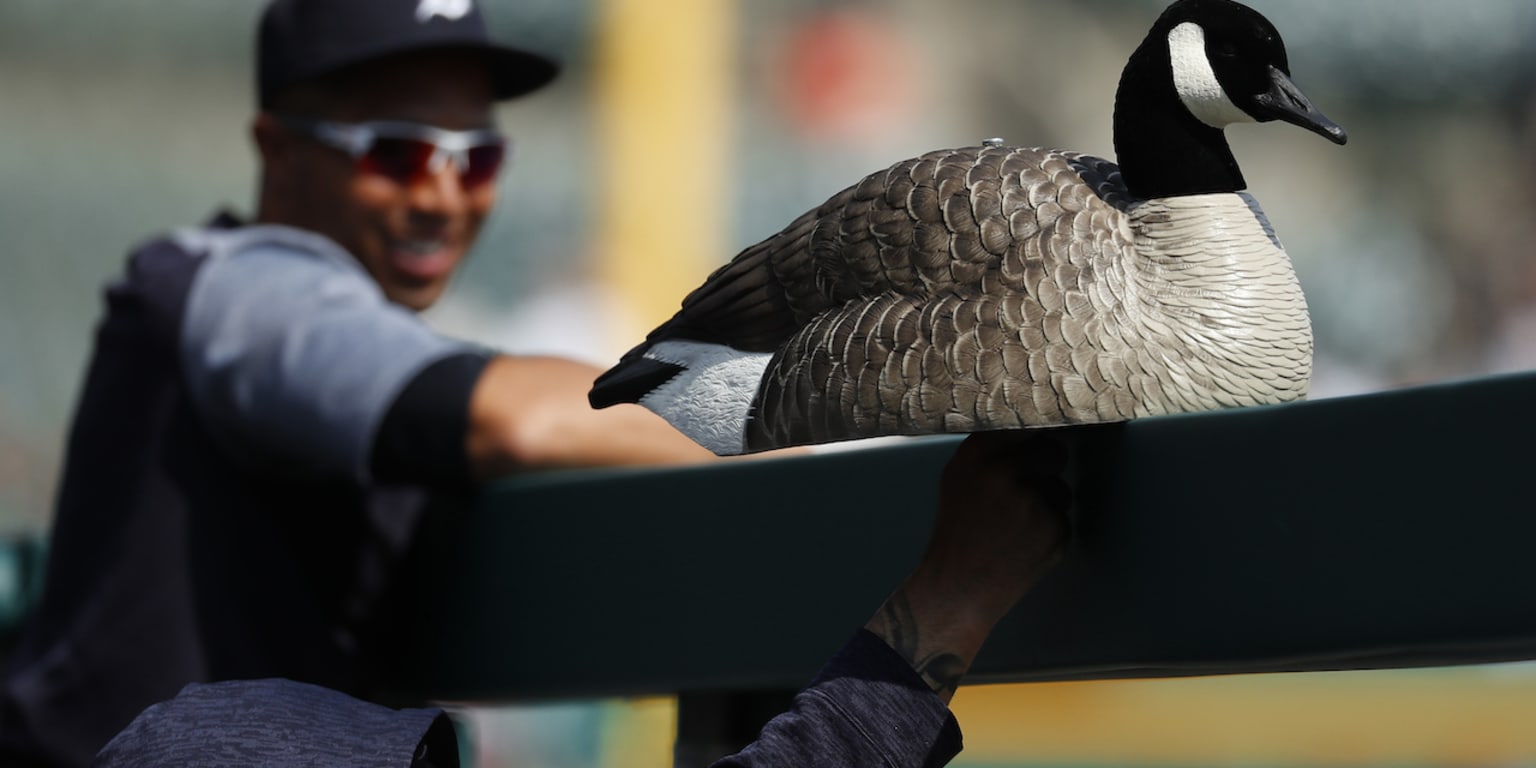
column 1214, row 282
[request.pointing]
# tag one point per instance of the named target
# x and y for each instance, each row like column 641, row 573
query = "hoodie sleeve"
column 866, row 707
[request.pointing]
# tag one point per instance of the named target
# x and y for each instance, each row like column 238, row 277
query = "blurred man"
column 880, row 701
column 264, row 414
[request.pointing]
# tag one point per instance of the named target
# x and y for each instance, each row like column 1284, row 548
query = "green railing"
column 1388, row 530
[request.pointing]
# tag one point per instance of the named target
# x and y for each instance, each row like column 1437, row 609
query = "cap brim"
column 516, row 72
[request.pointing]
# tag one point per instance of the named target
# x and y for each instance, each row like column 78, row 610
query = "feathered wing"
column 744, row 304
column 950, row 292
column 858, row 243
column 998, row 303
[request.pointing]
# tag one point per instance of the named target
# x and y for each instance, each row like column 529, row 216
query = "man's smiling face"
column 410, row 234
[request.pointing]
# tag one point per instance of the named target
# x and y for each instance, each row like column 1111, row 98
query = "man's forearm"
column 940, row 665
column 936, row 632
column 532, row 413
column 1001, row 526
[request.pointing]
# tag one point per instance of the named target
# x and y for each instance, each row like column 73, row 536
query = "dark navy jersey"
column 248, row 461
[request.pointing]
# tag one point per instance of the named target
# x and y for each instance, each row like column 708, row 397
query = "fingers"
column 1032, row 453
column 1003, row 522
column 1054, row 492
column 1038, row 447
column 1011, row 467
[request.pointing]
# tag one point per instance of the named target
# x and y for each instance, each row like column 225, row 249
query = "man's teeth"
column 421, row 247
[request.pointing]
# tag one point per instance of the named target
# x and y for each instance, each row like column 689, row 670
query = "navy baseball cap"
column 303, row 39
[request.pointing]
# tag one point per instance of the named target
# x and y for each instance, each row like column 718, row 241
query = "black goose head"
column 1206, row 64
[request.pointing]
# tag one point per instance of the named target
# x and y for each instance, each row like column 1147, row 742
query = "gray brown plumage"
column 990, row 287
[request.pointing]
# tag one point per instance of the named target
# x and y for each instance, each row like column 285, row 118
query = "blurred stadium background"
column 681, row 132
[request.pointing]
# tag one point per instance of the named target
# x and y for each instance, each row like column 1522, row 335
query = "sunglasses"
column 406, row 152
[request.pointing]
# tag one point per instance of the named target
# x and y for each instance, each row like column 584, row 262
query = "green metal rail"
column 1389, row 530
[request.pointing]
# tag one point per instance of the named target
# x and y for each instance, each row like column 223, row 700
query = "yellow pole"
column 663, row 86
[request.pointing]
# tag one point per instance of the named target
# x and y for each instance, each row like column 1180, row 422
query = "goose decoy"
column 998, row 287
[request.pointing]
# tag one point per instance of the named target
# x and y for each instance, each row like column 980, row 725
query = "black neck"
column 1162, row 149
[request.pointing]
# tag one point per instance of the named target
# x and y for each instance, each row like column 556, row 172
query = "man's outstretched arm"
column 532, row 413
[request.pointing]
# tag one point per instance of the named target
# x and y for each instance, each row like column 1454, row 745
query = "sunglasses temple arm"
column 354, row 140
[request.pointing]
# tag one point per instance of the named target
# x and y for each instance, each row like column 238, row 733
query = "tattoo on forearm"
column 939, row 668
column 943, row 672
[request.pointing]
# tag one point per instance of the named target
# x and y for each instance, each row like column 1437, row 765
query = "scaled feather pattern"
column 998, row 287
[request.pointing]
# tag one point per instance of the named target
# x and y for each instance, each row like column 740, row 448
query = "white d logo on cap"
column 448, row 9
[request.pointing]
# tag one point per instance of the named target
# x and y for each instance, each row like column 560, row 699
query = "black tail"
column 633, row 378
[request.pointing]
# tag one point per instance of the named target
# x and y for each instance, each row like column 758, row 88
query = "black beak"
column 1284, row 101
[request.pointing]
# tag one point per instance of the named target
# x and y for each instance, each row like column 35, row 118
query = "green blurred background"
column 683, row 131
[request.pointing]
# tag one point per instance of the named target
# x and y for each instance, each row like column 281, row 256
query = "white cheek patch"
column 1196, row 82
column 709, row 400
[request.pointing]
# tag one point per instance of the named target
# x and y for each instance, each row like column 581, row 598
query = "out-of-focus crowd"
column 1413, row 242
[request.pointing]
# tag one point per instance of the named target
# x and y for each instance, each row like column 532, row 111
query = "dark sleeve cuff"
column 866, row 657
column 915, row 716
column 867, row 707
column 423, row 436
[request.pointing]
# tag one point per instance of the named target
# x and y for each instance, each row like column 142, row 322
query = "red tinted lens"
column 484, row 162
column 400, row 159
